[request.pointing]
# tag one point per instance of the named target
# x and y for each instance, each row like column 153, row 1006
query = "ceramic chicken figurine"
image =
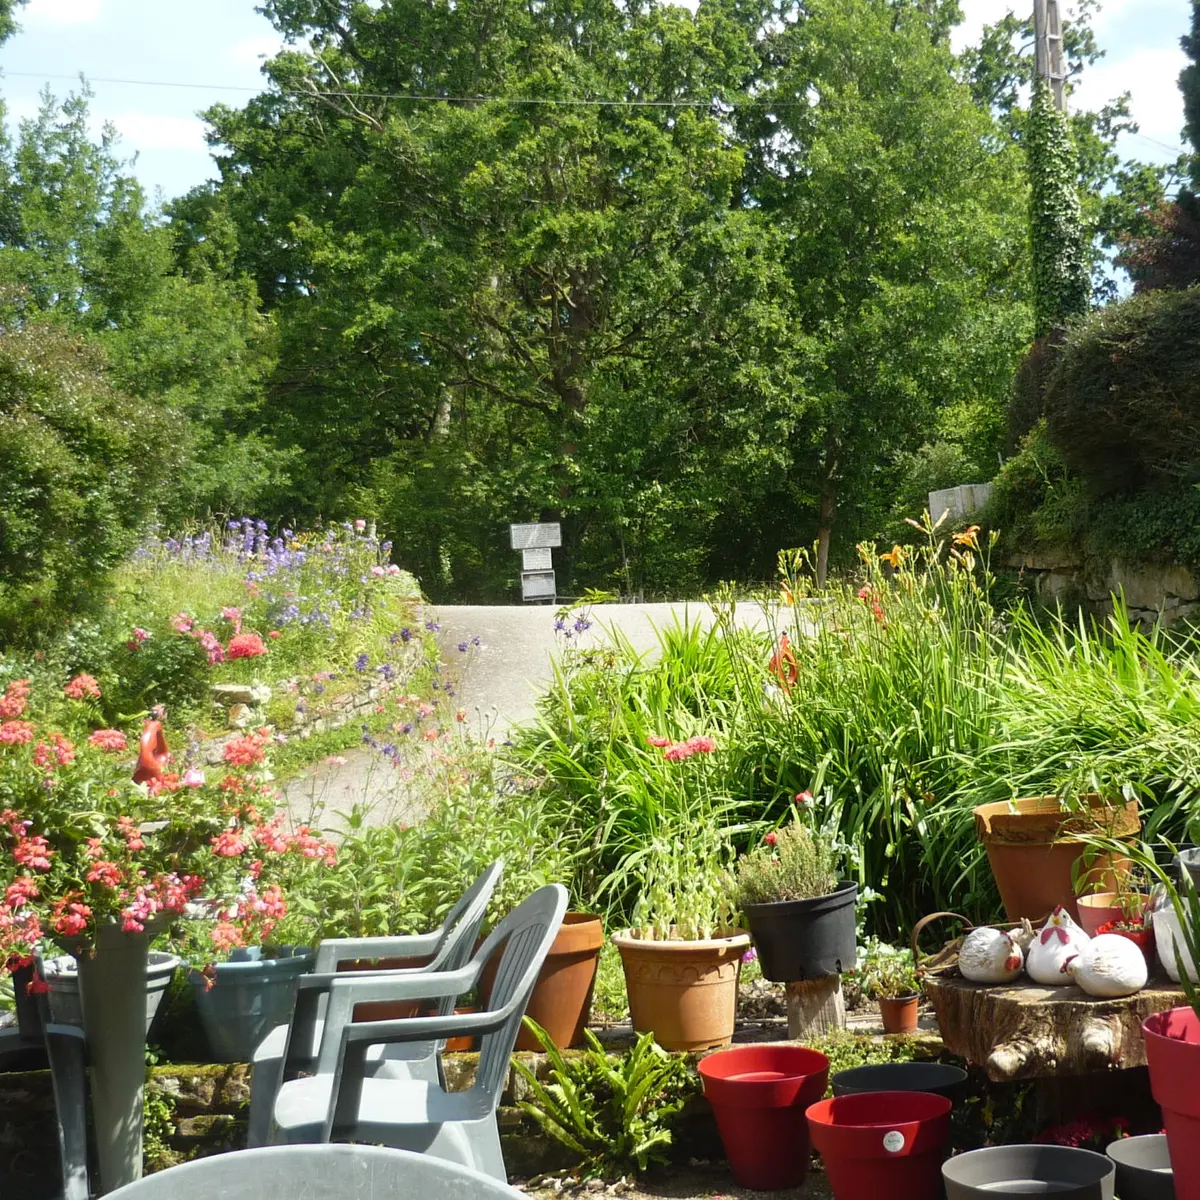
column 990, row 956
column 1108, row 965
column 1059, row 939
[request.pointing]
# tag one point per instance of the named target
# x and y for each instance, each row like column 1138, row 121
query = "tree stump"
column 815, row 1006
column 1025, row 1031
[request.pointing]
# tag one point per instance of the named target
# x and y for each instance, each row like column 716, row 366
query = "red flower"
column 16, row 696
column 112, row 740
column 771, row 838
column 33, row 852
column 245, row 751
column 803, row 798
column 16, row 733
column 82, row 687
column 70, row 917
column 701, row 744
column 660, row 742
column 273, row 634
column 20, row 891
column 677, row 753
column 228, row 844
column 107, row 874
column 246, row 645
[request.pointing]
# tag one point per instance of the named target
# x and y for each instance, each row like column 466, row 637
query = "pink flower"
column 273, row 634
column 803, row 798
column 112, row 740
column 211, row 644
column 107, row 874
column 16, row 696
column 865, row 593
column 701, row 744
column 139, row 635
column 360, row 525
column 245, row 751
column 771, row 838
column 234, row 617
column 378, row 571
column 228, row 844
column 82, row 687
column 677, row 752
column 227, row 936
column 20, row 891
column 16, row 733
column 193, row 778
column 393, row 569
column 71, row 917
column 246, row 645
column 660, row 742
column 182, row 623
column 33, row 852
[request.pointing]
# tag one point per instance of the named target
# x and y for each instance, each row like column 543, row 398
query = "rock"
column 239, row 716
column 260, row 694
column 1147, row 585
column 226, row 694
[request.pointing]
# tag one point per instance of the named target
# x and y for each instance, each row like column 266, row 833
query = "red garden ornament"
column 152, row 753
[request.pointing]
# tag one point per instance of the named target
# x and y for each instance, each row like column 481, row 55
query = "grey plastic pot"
column 1143, row 1168
column 1189, row 861
column 938, row 1078
column 1000, row 1171
column 62, row 979
column 248, row 997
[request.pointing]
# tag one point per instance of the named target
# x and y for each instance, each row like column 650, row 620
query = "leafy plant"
column 889, row 973
column 791, row 864
column 614, row 1111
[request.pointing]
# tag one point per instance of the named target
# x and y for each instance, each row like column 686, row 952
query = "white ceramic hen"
column 1059, row 939
column 990, row 956
column 1109, row 965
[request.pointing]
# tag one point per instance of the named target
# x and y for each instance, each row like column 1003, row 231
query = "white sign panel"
column 528, row 537
column 537, row 585
column 538, row 559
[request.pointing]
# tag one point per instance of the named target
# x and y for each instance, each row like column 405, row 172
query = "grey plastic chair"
column 318, row 1173
column 347, row 1101
column 288, row 1050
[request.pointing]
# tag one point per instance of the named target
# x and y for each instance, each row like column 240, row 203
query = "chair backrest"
column 320, row 1172
column 522, row 940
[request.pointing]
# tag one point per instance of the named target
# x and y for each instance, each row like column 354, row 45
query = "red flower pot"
column 1143, row 939
column 1173, row 1056
column 899, row 1013
column 759, row 1095
column 883, row 1144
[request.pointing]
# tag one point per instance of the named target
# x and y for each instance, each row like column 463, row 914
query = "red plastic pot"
column 759, row 1095
column 1143, row 939
column 883, row 1144
column 1173, row 1056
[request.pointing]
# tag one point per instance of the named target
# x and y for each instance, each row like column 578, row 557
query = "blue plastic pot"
column 249, row 997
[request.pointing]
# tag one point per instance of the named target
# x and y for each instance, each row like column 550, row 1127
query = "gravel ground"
column 714, row 1182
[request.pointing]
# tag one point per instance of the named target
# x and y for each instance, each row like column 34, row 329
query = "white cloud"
column 249, row 52
column 1151, row 76
column 60, row 12
column 156, row 131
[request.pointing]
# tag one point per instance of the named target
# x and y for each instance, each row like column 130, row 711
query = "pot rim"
column 905, row 999
column 950, row 1172
column 993, row 819
column 844, row 886
column 727, row 941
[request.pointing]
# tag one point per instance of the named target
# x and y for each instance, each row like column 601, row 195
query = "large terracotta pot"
column 562, row 997
column 1032, row 847
column 685, row 993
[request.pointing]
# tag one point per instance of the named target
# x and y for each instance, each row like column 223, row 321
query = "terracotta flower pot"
column 1173, row 1056
column 899, row 1013
column 386, row 1010
column 1098, row 909
column 1032, row 851
column 759, row 1096
column 685, row 993
column 562, row 997
column 1143, row 939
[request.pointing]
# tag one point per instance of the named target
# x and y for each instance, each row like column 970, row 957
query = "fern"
column 615, row 1113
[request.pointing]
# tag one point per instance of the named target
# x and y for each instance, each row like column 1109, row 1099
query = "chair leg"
column 68, row 1077
column 484, row 1139
column 264, row 1087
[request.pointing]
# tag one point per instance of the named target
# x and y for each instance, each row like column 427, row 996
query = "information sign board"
column 537, row 585
column 536, row 536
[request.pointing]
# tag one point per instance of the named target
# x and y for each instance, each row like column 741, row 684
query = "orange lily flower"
column 784, row 665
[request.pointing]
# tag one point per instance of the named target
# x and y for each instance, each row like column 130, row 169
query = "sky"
column 218, row 45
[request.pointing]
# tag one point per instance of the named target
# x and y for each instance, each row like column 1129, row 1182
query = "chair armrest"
column 338, row 950
column 422, row 1029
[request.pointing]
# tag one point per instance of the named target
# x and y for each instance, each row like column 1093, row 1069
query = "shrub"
column 82, row 466
column 1123, row 401
column 791, row 864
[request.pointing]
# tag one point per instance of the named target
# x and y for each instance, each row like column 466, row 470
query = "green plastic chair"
column 318, row 1173
column 349, row 1100
column 290, row 1050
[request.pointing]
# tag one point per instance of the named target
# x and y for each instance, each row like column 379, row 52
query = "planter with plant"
column 801, row 917
column 1036, row 847
column 891, row 980
column 682, row 954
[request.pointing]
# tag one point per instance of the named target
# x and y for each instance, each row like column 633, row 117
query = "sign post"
column 535, row 541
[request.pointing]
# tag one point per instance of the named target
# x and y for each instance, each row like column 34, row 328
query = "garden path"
column 498, row 682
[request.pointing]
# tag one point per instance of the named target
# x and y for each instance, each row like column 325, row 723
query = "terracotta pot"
column 1143, row 939
column 685, row 993
column 899, row 1013
column 1098, row 909
column 1033, row 854
column 1173, row 1056
column 457, row 1045
column 562, row 997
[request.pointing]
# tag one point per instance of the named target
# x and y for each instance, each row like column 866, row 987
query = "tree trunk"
column 826, row 514
column 815, row 1007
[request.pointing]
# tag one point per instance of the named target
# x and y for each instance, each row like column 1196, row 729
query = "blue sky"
column 218, row 44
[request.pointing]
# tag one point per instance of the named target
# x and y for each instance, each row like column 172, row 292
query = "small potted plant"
column 891, row 979
column 682, row 954
column 802, row 918
column 1133, row 921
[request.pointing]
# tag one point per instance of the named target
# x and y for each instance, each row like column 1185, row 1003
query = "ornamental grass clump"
column 791, row 864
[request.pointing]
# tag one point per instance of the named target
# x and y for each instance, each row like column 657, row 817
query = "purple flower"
column 462, row 647
column 362, row 662
column 750, row 955
column 432, row 626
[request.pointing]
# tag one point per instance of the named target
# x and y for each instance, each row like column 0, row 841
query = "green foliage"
column 82, row 465
column 846, row 1051
column 614, row 1111
column 1061, row 285
column 1123, row 401
column 888, row 972
column 793, row 864
column 610, row 1001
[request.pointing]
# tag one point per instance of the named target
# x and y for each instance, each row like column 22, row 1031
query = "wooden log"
column 815, row 1006
column 1024, row 1031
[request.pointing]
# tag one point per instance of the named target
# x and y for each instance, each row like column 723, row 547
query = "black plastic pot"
column 805, row 939
column 938, row 1078
column 1143, row 1168
column 1000, row 1171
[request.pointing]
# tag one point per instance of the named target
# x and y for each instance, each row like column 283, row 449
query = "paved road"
column 498, row 682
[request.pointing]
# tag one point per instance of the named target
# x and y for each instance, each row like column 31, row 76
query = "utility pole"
column 1049, row 58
